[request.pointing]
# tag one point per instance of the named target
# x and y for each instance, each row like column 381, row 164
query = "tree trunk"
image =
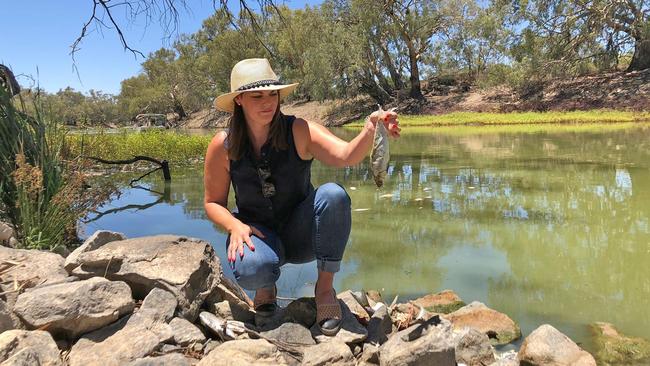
column 641, row 58
column 394, row 75
column 415, row 92
column 370, row 86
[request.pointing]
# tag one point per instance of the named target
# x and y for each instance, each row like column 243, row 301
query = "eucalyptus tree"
column 416, row 21
column 475, row 37
column 571, row 31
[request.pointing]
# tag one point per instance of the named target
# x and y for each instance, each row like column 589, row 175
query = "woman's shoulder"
column 218, row 144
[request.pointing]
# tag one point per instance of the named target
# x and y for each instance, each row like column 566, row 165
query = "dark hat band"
column 258, row 84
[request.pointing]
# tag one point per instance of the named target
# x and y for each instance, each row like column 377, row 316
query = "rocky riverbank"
column 163, row 300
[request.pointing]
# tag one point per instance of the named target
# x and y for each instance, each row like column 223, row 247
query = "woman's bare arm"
column 314, row 140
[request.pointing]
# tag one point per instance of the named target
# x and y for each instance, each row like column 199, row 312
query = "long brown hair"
column 237, row 141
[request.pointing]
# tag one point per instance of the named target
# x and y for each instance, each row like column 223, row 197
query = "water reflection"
column 547, row 227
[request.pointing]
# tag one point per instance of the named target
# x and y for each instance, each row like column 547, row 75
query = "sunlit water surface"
column 547, row 227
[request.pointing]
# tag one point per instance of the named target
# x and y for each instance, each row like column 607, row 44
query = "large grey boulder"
column 498, row 326
column 434, row 347
column 188, row 268
column 335, row 353
column 71, row 309
column 95, row 241
column 132, row 337
column 547, row 346
column 30, row 268
column 23, row 347
column 247, row 352
column 24, row 269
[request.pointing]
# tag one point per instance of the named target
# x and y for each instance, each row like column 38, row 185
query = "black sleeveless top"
column 289, row 174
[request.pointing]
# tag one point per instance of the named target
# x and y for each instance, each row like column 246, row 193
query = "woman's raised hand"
column 389, row 118
column 240, row 234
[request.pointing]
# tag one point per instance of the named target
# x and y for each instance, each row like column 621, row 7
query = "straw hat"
column 252, row 74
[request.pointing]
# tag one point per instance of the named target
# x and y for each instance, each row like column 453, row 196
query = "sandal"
column 329, row 317
column 266, row 307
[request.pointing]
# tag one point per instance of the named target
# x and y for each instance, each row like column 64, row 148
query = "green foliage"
column 73, row 108
column 168, row 145
column 42, row 194
column 347, row 48
column 528, row 118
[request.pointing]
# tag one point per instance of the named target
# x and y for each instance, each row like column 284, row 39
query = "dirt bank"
column 620, row 91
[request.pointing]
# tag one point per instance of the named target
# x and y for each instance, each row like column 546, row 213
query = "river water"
column 545, row 226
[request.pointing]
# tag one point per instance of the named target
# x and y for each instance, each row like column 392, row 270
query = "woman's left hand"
column 389, row 118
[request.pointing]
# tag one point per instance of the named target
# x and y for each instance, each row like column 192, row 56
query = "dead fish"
column 380, row 154
column 225, row 329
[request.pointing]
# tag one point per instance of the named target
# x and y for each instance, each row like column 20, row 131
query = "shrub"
column 42, row 194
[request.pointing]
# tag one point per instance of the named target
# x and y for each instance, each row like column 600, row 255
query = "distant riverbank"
column 181, row 148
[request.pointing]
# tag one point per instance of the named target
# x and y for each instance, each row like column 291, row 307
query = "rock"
column 188, row 268
column 443, row 302
column 234, row 311
column 95, row 241
column 356, row 352
column 6, row 232
column 23, row 347
column 379, row 326
column 71, row 309
column 355, row 307
column 132, row 337
column 197, row 347
column 505, row 362
column 547, row 346
column 247, row 352
column 303, row 311
column 210, row 345
column 351, row 331
column 230, row 291
column 434, row 347
column 498, row 326
column 159, row 305
column 32, row 267
column 370, row 355
column 291, row 333
column 375, row 296
column 615, row 348
column 169, row 348
column 266, row 323
column 186, row 333
column 7, row 320
column 329, row 353
column 172, row 359
column 13, row 242
column 473, row 348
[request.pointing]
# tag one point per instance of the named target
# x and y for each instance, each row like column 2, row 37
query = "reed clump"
column 43, row 189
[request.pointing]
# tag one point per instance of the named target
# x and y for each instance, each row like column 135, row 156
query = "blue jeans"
column 317, row 229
